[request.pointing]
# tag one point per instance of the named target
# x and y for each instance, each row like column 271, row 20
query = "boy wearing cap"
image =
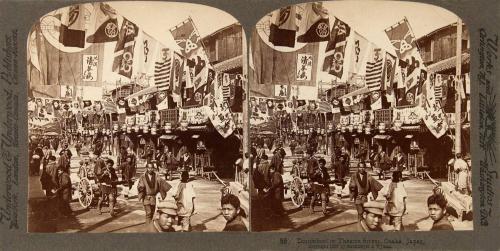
column 436, row 205
column 164, row 222
column 371, row 217
column 232, row 213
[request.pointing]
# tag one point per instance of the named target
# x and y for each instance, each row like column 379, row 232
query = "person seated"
column 232, row 213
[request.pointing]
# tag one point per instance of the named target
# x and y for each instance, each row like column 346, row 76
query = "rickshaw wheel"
column 298, row 192
column 85, row 193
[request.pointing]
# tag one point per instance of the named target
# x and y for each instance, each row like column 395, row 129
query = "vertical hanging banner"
column 315, row 26
column 433, row 114
column 404, row 42
column 283, row 27
column 147, row 53
column 89, row 67
column 163, row 69
column 374, row 70
column 304, row 66
column 389, row 71
column 361, row 50
column 335, row 49
column 124, row 50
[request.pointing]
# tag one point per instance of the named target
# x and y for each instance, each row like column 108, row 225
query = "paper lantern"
column 129, row 129
column 342, row 129
column 351, row 128
column 397, row 126
column 153, row 130
column 145, row 129
column 124, row 128
column 184, row 126
column 360, row 128
column 381, row 127
column 368, row 128
column 136, row 128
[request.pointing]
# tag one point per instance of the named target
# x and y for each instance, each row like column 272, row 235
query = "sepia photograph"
column 135, row 119
column 360, row 118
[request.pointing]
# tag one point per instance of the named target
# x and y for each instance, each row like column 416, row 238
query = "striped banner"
column 163, row 69
column 374, row 70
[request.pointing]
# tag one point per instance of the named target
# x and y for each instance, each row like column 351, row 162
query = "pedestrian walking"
column 320, row 180
column 360, row 186
column 185, row 201
column 396, row 197
column 276, row 193
column 150, row 184
column 63, row 192
column 107, row 184
column 128, row 173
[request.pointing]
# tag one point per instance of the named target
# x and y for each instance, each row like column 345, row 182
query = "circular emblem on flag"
column 375, row 95
column 409, row 97
column 111, row 30
column 126, row 64
column 280, row 106
column 133, row 101
column 348, row 101
column 121, row 102
column 322, row 30
column 161, row 95
column 198, row 97
column 337, row 61
column 335, row 102
column 66, row 107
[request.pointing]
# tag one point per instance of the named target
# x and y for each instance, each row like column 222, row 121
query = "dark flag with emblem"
column 107, row 31
column 177, row 72
column 389, row 71
column 335, row 49
column 283, row 27
column 404, row 43
column 236, row 100
column 124, row 50
column 122, row 105
column 72, row 29
column 315, row 24
column 186, row 36
column 163, row 70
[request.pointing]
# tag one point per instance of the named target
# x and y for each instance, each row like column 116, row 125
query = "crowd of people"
column 364, row 189
column 57, row 184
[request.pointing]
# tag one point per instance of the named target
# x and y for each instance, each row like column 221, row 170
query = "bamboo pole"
column 458, row 98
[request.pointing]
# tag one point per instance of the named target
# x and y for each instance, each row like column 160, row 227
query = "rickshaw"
column 300, row 187
column 88, row 186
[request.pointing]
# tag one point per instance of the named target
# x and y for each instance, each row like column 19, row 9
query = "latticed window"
column 169, row 116
column 383, row 116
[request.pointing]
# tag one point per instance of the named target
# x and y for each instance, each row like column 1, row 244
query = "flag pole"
column 458, row 98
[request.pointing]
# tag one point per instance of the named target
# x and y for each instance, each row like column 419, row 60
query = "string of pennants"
column 387, row 80
column 182, row 78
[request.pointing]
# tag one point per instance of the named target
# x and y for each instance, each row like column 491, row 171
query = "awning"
column 144, row 91
column 449, row 63
column 359, row 91
column 384, row 137
column 229, row 64
column 169, row 137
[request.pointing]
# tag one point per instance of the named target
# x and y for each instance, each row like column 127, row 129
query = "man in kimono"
column 360, row 186
column 149, row 185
